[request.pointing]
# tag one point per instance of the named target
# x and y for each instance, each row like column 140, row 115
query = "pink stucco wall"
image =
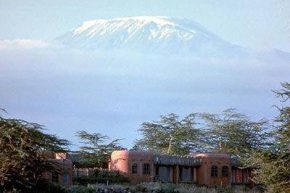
column 123, row 160
column 204, row 171
column 65, row 167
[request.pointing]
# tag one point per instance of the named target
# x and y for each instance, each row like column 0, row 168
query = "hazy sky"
column 68, row 91
column 252, row 23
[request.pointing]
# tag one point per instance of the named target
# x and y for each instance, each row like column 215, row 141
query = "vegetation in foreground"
column 259, row 143
column 157, row 188
column 101, row 176
column 22, row 161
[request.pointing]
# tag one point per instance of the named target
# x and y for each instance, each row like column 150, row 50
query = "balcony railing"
column 176, row 160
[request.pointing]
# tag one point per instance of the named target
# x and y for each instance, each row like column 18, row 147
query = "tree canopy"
column 22, row 161
column 234, row 133
column 170, row 135
column 97, row 149
column 229, row 132
column 274, row 163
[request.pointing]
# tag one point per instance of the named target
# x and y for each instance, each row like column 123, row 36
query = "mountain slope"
column 147, row 33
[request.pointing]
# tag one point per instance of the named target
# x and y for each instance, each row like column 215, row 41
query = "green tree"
column 22, row 162
column 170, row 135
column 234, row 133
column 97, row 149
column 274, row 163
column 282, row 136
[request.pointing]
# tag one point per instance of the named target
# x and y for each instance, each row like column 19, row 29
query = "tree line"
column 229, row 132
column 261, row 143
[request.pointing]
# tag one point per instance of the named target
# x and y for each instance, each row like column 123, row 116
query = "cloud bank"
column 113, row 93
column 23, row 44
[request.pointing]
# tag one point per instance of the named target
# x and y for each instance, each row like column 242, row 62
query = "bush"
column 41, row 187
column 47, row 187
column 155, row 188
column 81, row 189
column 101, row 176
column 168, row 189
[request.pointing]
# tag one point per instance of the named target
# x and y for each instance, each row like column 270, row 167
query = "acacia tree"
column 283, row 120
column 234, row 133
column 97, row 149
column 274, row 163
column 22, row 162
column 170, row 135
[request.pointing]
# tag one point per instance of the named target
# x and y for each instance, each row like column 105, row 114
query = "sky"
column 251, row 23
column 67, row 91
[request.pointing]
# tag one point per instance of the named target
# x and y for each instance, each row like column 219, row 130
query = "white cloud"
column 23, row 44
column 65, row 89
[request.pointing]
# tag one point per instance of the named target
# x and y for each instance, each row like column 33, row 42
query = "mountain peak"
column 125, row 22
column 161, row 20
column 146, row 33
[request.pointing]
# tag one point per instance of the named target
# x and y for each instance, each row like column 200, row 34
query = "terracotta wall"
column 64, row 165
column 204, row 171
column 241, row 176
column 123, row 161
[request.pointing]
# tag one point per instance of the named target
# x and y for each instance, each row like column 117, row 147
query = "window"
column 157, row 171
column 54, row 177
column 65, row 178
column 225, row 171
column 146, row 169
column 134, row 168
column 214, row 171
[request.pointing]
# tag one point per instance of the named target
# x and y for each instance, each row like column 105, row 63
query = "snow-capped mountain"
column 147, row 33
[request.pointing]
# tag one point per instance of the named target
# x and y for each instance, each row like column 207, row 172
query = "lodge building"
column 63, row 173
column 209, row 169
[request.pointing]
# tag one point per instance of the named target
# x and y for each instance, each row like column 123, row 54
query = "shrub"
column 81, row 189
column 101, row 176
column 47, row 187
column 155, row 188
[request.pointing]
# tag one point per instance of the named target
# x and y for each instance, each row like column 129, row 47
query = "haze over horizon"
column 88, row 81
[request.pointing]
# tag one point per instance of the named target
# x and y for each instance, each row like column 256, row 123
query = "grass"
column 156, row 188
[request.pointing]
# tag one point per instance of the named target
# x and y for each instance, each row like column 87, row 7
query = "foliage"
column 170, row 135
column 234, row 133
column 101, row 176
column 96, row 152
column 229, row 132
column 81, row 189
column 282, row 135
column 274, row 163
column 22, row 162
column 153, row 187
column 47, row 187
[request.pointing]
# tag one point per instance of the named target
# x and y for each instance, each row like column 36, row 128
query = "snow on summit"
column 146, row 33
column 126, row 22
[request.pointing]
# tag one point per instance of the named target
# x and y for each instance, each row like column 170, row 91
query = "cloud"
column 69, row 90
column 23, row 44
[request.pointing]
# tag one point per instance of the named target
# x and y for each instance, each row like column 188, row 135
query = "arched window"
column 146, row 169
column 54, row 177
column 65, row 178
column 225, row 171
column 134, row 168
column 214, row 171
